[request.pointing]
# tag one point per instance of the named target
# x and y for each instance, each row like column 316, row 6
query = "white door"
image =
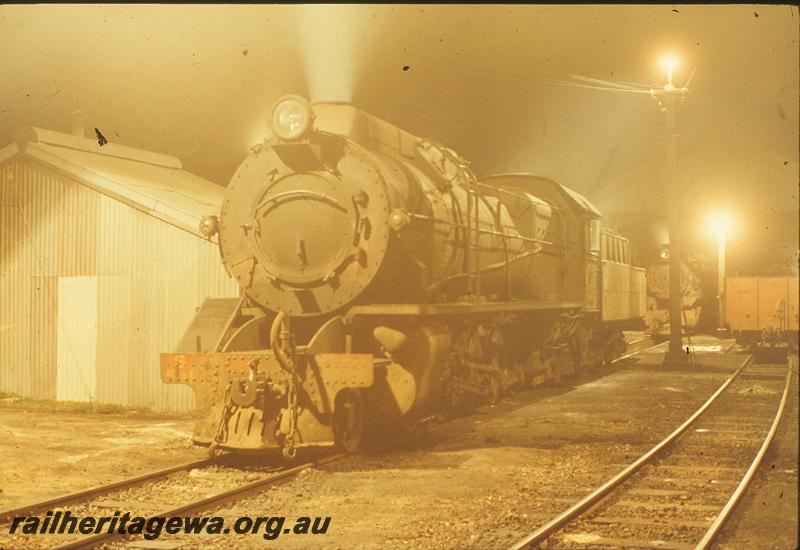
column 77, row 339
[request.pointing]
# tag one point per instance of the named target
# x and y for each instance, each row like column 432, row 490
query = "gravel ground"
column 486, row 479
column 147, row 500
column 68, row 452
column 480, row 481
column 767, row 515
column 710, row 459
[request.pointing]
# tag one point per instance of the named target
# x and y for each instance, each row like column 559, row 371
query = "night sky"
column 499, row 84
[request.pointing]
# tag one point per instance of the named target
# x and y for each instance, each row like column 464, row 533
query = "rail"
column 555, row 524
column 93, row 492
column 727, row 510
column 212, row 501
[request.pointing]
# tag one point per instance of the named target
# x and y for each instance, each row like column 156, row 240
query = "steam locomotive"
column 695, row 281
column 383, row 283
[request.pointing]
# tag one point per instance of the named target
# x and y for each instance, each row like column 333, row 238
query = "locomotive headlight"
column 292, row 118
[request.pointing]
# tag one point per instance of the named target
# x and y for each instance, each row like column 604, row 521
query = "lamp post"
column 721, row 282
column 720, row 224
column 675, row 354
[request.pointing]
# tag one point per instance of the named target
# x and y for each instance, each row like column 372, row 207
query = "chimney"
column 77, row 123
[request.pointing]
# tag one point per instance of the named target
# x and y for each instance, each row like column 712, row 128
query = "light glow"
column 668, row 62
column 720, row 222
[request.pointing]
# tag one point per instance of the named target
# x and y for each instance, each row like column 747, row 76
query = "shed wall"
column 151, row 276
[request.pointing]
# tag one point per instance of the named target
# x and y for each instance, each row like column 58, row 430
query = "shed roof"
column 154, row 183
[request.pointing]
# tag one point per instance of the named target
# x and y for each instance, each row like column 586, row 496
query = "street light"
column 720, row 223
column 675, row 354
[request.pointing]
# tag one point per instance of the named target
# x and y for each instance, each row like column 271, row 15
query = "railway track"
column 127, row 494
column 679, row 494
column 100, row 490
column 642, row 345
column 140, row 495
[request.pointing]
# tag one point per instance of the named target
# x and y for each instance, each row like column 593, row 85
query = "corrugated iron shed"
column 101, row 268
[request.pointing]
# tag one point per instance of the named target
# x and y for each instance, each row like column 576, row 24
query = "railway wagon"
column 382, row 283
column 762, row 308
